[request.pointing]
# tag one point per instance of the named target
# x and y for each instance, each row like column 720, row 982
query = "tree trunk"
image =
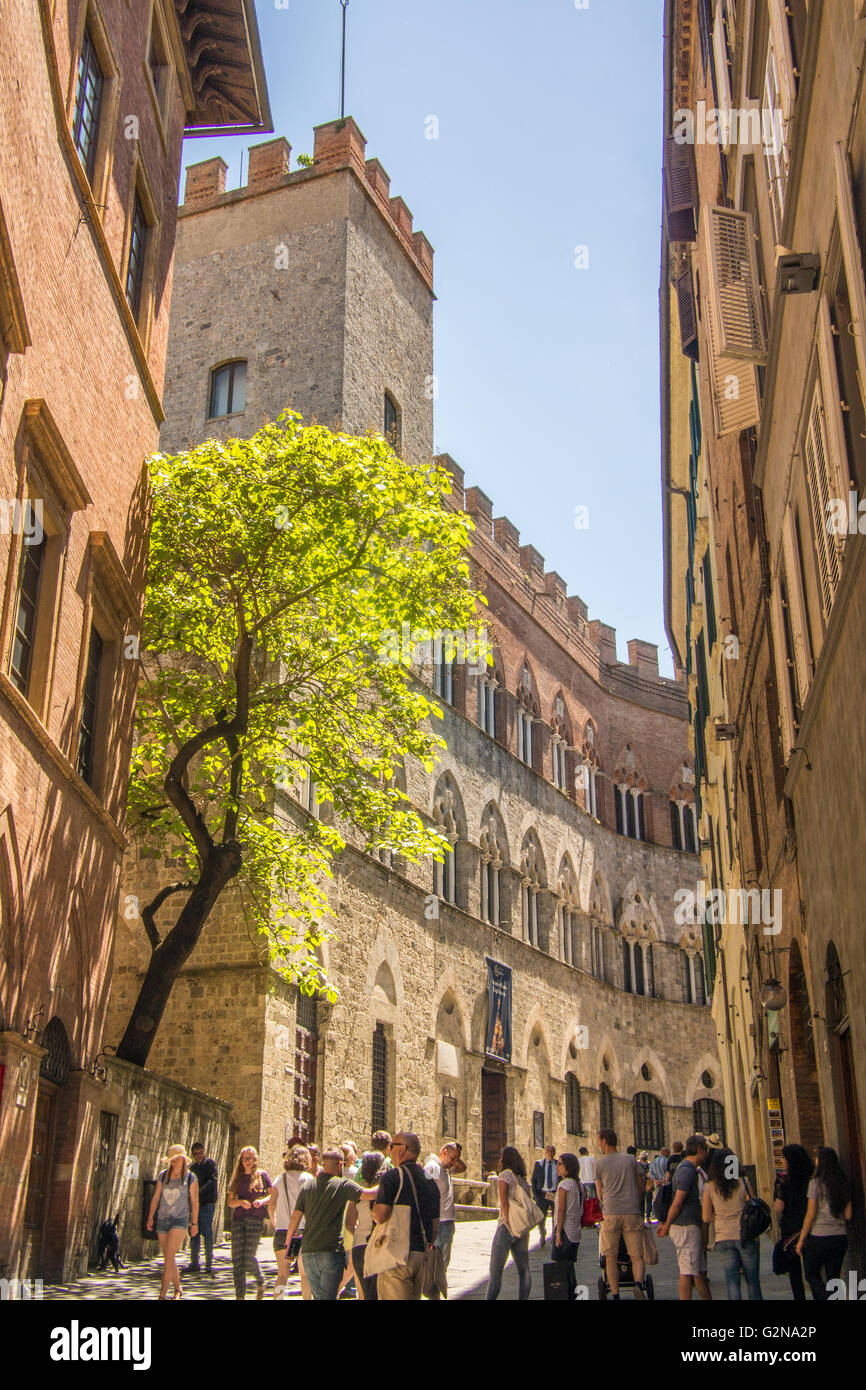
column 170, row 956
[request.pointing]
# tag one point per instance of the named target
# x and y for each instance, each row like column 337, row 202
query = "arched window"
column 55, row 1065
column 638, row 967
column 527, row 712
column 573, row 1112
column 530, row 880
column 567, row 912
column 487, row 687
column 708, row 1117
column 630, row 812
column 228, row 390
column 560, row 744
column 596, row 947
column 491, row 868
column 694, row 990
column 649, row 1126
column 684, row 826
column 448, row 820
column 443, row 669
column 605, row 1106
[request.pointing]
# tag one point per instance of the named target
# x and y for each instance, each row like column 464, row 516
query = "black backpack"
column 755, row 1217
column 663, row 1200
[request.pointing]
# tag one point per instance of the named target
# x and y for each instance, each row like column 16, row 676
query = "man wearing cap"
column 440, row 1169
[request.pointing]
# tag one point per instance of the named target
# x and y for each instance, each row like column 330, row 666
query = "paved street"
column 467, row 1274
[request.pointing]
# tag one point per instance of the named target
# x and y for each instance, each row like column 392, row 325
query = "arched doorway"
column 845, row 1092
column 53, row 1073
column 804, row 1063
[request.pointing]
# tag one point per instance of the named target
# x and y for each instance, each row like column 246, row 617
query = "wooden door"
column 849, row 1141
column 39, row 1178
column 493, row 1129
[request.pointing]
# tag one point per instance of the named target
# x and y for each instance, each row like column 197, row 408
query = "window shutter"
column 735, row 293
column 818, row 480
column 723, row 70
column 626, row 965
column 699, row 981
column 786, row 712
column 687, row 306
column 736, row 404
column 650, row 971
column 681, row 190
column 799, row 624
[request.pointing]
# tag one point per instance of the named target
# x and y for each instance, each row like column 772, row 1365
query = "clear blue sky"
column 549, row 139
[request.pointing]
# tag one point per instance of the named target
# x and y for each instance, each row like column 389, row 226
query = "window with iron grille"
column 56, row 1063
column 135, row 264
column 89, row 705
column 708, row 1117
column 379, row 1112
column 605, row 1106
column 538, row 1129
column 573, row 1115
column 306, row 1069
column 23, row 638
column 648, row 1121
column 88, row 102
column 392, row 422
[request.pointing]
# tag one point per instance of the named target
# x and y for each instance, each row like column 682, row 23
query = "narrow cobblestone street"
column 467, row 1273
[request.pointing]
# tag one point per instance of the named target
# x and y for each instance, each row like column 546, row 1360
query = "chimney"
column 533, row 563
column 268, row 163
column 380, row 184
column 645, row 657
column 507, row 537
column 480, row 508
column 604, row 638
column 446, row 462
column 205, row 180
column 338, row 145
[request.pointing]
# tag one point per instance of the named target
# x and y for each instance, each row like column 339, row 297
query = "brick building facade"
column 95, row 97
column 565, row 789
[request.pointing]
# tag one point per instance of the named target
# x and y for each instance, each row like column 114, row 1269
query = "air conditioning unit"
column 725, row 733
column 798, row 273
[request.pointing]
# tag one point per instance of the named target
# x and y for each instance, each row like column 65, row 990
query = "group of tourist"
column 326, row 1209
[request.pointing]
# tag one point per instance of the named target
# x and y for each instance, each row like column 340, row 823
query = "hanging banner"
column 499, row 1019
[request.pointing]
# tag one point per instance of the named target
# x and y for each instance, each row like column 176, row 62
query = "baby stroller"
column 626, row 1278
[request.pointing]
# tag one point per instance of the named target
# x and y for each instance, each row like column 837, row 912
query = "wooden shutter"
column 734, row 383
column 816, row 456
column 723, row 69
column 650, row 971
column 681, row 190
column 736, row 305
column 687, row 978
column 687, row 306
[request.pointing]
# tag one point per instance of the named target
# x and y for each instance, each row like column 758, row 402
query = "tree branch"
column 148, row 913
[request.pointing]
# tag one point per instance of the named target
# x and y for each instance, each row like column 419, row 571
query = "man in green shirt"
column 322, row 1203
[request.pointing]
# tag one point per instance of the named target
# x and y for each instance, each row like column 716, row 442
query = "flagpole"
column 345, row 5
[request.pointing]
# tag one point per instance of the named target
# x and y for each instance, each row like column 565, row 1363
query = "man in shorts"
column 619, row 1185
column 684, row 1223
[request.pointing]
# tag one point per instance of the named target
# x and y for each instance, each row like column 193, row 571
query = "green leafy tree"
column 282, row 570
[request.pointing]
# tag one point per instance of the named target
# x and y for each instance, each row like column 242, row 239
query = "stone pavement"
column 467, row 1273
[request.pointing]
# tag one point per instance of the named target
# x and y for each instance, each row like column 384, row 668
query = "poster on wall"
column 499, row 1020
column 777, row 1133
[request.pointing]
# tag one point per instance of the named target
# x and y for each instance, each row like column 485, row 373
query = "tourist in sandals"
column 175, row 1206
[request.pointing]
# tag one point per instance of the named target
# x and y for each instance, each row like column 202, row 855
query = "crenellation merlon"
column 337, row 145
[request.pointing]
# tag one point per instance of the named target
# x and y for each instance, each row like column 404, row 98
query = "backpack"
column 755, row 1217
column 663, row 1200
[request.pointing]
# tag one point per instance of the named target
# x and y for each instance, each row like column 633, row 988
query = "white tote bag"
column 523, row 1213
column 388, row 1245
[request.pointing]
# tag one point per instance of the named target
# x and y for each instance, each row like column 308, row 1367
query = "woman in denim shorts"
column 175, row 1206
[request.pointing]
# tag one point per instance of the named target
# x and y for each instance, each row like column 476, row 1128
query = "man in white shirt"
column 439, row 1169
column 587, row 1171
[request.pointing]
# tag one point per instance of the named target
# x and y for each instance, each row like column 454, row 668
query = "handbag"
column 755, row 1217
column 592, row 1213
column 523, row 1213
column 388, row 1245
column 650, row 1249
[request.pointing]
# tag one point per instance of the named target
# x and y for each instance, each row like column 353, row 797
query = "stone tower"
column 315, row 281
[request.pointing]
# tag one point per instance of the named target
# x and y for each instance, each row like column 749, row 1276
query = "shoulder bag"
column 523, row 1213
column 388, row 1245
